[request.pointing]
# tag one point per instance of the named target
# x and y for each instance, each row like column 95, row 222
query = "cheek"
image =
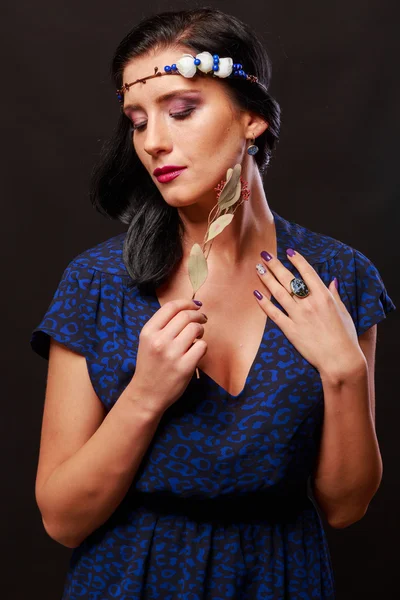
column 212, row 130
column 211, row 137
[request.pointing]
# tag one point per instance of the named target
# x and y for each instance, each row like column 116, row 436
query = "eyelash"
column 180, row 115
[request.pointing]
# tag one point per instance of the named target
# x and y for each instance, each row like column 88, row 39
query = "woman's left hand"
column 319, row 325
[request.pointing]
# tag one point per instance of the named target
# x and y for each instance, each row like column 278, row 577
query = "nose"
column 157, row 136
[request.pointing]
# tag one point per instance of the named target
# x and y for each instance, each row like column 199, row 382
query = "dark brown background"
column 335, row 74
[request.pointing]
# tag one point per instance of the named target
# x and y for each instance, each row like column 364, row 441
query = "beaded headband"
column 188, row 65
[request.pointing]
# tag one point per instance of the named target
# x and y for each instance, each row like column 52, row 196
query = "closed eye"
column 180, row 116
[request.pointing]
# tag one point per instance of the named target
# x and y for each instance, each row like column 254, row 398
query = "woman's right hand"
column 167, row 356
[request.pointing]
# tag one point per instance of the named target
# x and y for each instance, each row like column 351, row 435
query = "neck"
column 252, row 230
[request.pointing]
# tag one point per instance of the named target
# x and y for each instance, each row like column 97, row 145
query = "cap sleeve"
column 367, row 299
column 87, row 314
column 71, row 317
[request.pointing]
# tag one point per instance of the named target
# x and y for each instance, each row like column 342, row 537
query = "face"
column 197, row 127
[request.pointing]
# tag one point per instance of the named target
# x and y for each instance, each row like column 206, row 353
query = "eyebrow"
column 162, row 98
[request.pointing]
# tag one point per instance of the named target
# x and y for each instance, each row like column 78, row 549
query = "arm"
column 349, row 468
column 87, row 462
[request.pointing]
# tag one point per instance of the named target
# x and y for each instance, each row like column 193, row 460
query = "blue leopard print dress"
column 222, row 505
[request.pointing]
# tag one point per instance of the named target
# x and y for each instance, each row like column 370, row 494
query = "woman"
column 203, row 470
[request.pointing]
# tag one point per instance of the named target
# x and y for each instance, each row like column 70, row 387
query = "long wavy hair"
column 120, row 186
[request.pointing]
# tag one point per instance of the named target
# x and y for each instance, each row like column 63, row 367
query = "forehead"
column 143, row 66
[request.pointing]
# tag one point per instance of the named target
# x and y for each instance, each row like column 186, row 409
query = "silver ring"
column 299, row 288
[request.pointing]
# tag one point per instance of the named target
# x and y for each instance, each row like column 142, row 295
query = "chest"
column 235, row 326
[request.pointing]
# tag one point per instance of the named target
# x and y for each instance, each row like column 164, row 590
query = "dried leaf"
column 228, row 175
column 197, row 266
column 230, row 186
column 218, row 226
column 228, row 202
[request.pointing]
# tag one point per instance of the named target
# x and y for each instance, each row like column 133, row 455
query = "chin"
column 177, row 200
column 181, row 196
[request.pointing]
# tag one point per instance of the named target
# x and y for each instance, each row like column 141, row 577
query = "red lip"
column 166, row 169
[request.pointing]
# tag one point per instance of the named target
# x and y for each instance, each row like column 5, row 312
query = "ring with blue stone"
column 299, row 288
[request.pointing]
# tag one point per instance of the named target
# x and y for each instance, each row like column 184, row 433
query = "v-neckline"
column 279, row 230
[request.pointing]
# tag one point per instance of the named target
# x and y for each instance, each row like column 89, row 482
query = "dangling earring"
column 252, row 149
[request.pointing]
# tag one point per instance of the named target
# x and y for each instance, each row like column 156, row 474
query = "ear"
column 254, row 124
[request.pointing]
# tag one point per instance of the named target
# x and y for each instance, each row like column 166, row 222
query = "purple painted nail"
column 265, row 255
column 257, row 294
column 198, row 302
column 290, row 251
column 336, row 283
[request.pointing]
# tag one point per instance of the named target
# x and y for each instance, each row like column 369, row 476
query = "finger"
column 168, row 311
column 187, row 337
column 180, row 322
column 307, row 271
column 280, row 272
column 285, row 299
column 273, row 312
column 333, row 288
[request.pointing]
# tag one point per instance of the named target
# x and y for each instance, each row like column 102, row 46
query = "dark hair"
column 121, row 188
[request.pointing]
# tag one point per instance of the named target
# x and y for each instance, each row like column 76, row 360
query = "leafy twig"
column 230, row 195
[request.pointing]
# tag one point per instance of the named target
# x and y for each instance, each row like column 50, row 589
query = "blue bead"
column 197, row 61
column 167, row 69
column 241, row 72
column 239, row 66
column 236, row 72
column 215, row 67
column 174, row 67
column 215, row 56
